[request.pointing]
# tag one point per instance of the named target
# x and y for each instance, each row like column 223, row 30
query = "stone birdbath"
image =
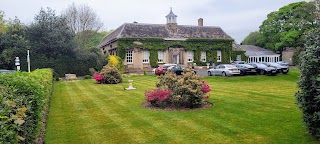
column 130, row 85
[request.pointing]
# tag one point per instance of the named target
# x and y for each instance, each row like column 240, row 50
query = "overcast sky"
column 236, row 17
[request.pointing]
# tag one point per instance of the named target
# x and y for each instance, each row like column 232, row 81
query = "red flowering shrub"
column 205, row 87
column 157, row 96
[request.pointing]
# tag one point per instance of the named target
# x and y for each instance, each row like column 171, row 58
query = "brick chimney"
column 200, row 22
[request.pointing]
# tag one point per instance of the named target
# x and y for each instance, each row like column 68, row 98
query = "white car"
column 224, row 70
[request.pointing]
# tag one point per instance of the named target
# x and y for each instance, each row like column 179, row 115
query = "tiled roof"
column 252, row 50
column 129, row 30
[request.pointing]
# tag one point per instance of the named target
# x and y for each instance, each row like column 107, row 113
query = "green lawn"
column 250, row 109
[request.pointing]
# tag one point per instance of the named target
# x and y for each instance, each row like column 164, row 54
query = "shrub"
column 308, row 96
column 111, row 75
column 92, row 71
column 133, row 74
column 23, row 99
column 98, row 77
column 186, row 91
column 144, row 72
column 87, row 77
column 296, row 58
column 115, row 61
column 158, row 96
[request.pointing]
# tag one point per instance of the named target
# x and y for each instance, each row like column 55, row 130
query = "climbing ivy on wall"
column 153, row 58
column 159, row 44
column 235, row 53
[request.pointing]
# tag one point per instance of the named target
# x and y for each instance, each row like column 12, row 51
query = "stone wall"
column 287, row 56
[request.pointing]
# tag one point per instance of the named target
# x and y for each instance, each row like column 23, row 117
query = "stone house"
column 144, row 46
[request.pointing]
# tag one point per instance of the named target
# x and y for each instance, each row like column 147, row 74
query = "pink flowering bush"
column 157, row 96
column 205, row 87
column 185, row 91
column 97, row 77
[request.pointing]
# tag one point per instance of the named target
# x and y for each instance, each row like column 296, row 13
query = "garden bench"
column 71, row 77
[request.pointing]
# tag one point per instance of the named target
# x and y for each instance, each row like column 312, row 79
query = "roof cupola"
column 171, row 17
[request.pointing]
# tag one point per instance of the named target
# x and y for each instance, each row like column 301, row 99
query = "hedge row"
column 23, row 99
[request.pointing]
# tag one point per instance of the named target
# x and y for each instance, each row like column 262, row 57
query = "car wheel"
column 284, row 72
column 224, row 74
column 241, row 73
column 262, row 72
column 209, row 73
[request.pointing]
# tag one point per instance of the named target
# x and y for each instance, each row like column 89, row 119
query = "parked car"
column 176, row 69
column 246, row 69
column 264, row 69
column 280, row 68
column 192, row 69
column 283, row 63
column 238, row 62
column 224, row 70
column 163, row 69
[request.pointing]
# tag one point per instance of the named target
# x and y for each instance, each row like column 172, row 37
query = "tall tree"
column 82, row 17
column 308, row 97
column 2, row 22
column 251, row 39
column 13, row 43
column 82, row 20
column 286, row 27
column 50, row 36
column 52, row 43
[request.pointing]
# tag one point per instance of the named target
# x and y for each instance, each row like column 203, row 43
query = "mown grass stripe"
column 131, row 111
column 251, row 109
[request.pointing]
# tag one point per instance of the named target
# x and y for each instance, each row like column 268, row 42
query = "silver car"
column 224, row 70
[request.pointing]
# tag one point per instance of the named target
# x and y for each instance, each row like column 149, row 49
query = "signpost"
column 17, row 63
column 28, row 60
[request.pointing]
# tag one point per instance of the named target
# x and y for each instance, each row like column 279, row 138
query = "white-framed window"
column 190, row 56
column 219, row 57
column 129, row 56
column 203, row 56
column 145, row 55
column 160, row 56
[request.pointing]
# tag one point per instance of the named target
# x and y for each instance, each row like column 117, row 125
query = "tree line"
column 286, row 27
column 66, row 42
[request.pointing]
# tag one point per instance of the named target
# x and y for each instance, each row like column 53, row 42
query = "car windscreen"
column 275, row 64
column 167, row 66
column 230, row 66
column 261, row 65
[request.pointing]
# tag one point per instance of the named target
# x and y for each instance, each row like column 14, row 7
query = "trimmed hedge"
column 23, row 100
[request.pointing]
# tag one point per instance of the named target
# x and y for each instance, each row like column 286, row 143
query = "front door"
column 177, row 60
